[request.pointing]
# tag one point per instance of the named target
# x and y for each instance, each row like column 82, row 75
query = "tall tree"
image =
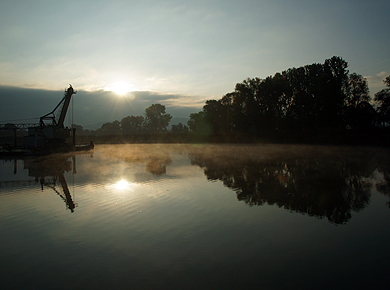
column 356, row 90
column 132, row 124
column 303, row 107
column 215, row 114
column 198, row 124
column 110, row 128
column 245, row 105
column 272, row 102
column 336, row 69
column 156, row 119
column 358, row 112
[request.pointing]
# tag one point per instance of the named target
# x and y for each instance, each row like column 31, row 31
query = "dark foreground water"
column 197, row 217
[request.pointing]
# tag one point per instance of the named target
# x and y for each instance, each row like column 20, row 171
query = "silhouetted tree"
column 334, row 102
column 215, row 115
column 245, row 106
column 358, row 112
column 228, row 112
column 179, row 129
column 301, row 107
column 110, row 128
column 272, row 102
column 156, row 119
column 80, row 130
column 356, row 90
column 316, row 97
column 382, row 100
column 132, row 124
column 198, row 125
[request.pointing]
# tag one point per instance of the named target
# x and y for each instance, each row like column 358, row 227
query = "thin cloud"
column 375, row 83
column 378, row 79
column 171, row 100
column 91, row 107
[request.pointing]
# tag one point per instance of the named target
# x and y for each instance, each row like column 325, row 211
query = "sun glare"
column 120, row 88
column 121, row 184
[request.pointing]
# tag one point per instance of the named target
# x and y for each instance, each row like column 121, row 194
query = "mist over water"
column 158, row 216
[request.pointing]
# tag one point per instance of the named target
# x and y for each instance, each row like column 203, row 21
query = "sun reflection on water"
column 123, row 185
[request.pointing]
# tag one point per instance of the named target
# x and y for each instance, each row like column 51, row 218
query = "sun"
column 120, row 88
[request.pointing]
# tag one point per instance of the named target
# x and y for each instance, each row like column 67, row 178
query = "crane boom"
column 65, row 105
column 52, row 136
column 68, row 95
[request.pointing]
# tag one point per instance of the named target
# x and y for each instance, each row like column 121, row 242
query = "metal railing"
column 10, row 127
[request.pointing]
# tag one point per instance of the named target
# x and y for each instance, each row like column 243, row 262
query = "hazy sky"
column 197, row 50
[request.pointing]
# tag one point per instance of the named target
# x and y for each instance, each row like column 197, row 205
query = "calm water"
column 197, row 217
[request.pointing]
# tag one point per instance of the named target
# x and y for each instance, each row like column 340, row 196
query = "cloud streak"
column 375, row 82
column 90, row 107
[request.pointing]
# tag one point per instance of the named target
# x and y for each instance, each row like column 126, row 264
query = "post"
column 15, row 136
column 74, row 137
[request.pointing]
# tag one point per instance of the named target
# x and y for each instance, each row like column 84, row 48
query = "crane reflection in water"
column 50, row 172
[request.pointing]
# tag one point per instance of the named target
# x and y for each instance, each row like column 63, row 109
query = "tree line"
column 311, row 99
column 154, row 121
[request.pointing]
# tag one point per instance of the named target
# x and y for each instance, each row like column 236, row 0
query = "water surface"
column 197, row 217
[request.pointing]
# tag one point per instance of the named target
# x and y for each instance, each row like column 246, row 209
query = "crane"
column 54, row 135
column 50, row 135
column 63, row 106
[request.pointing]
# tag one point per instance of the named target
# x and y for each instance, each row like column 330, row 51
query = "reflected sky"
column 197, row 216
column 320, row 181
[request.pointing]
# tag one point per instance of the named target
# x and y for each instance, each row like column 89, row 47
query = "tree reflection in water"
column 384, row 186
column 318, row 181
column 155, row 156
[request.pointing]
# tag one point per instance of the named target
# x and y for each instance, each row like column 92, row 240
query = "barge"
column 49, row 136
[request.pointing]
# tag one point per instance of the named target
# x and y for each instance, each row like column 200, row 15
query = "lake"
column 171, row 216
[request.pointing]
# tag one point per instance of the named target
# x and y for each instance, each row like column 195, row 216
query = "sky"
column 177, row 53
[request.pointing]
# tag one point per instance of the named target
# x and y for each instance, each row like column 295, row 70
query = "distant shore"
column 370, row 137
